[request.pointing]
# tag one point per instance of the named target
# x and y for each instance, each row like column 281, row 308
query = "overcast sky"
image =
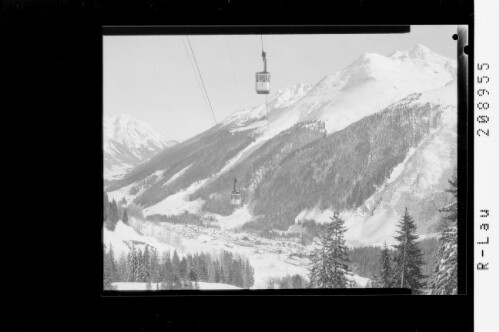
column 152, row 79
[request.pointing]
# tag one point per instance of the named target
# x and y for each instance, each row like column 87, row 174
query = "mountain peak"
column 418, row 51
column 421, row 47
column 132, row 132
column 366, row 67
column 124, row 119
column 299, row 87
column 285, row 97
column 367, row 58
column 129, row 142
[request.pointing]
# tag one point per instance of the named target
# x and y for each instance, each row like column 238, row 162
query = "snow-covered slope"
column 256, row 117
column 142, row 286
column 269, row 258
column 127, row 143
column 125, row 236
column 418, row 183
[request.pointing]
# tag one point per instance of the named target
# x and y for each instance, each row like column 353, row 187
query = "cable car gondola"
column 235, row 196
column 263, row 78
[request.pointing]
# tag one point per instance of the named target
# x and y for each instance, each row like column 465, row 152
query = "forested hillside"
column 342, row 170
column 257, row 168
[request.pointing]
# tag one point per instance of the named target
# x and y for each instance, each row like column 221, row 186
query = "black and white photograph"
column 281, row 161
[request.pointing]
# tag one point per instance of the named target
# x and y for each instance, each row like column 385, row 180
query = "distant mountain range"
column 369, row 140
column 129, row 142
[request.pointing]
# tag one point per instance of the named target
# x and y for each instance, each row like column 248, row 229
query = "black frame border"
column 464, row 151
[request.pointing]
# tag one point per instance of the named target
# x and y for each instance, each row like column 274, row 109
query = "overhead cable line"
column 196, row 76
column 266, row 101
column 268, row 122
column 206, row 92
column 202, row 81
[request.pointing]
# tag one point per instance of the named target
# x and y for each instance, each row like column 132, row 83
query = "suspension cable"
column 266, row 101
column 206, row 92
column 268, row 121
column 202, row 81
column 196, row 76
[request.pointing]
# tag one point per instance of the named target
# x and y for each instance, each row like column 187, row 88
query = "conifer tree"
column 154, row 265
column 451, row 209
column 112, row 216
column 192, row 275
column 329, row 268
column 107, row 280
column 122, row 268
column 384, row 279
column 161, row 268
column 113, row 269
column 168, row 271
column 217, row 272
column 408, row 259
column 177, row 282
column 106, row 206
column 297, row 281
column 175, row 273
column 444, row 278
column 183, row 268
column 250, row 274
column 222, row 275
column 175, row 262
column 109, row 269
column 202, row 268
column 125, row 217
column 114, row 212
column 146, row 265
column 139, row 272
column 133, row 263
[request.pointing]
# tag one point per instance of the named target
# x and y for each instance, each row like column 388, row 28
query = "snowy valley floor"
column 269, row 258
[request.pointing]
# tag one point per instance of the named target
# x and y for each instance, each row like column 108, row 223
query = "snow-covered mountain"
column 127, row 143
column 366, row 86
column 368, row 140
column 418, row 182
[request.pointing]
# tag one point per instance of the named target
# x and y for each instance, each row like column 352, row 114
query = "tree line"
column 295, row 281
column 123, row 210
column 399, row 267
column 172, row 272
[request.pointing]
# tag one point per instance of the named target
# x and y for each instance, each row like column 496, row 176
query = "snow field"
column 142, row 286
column 178, row 203
column 269, row 258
